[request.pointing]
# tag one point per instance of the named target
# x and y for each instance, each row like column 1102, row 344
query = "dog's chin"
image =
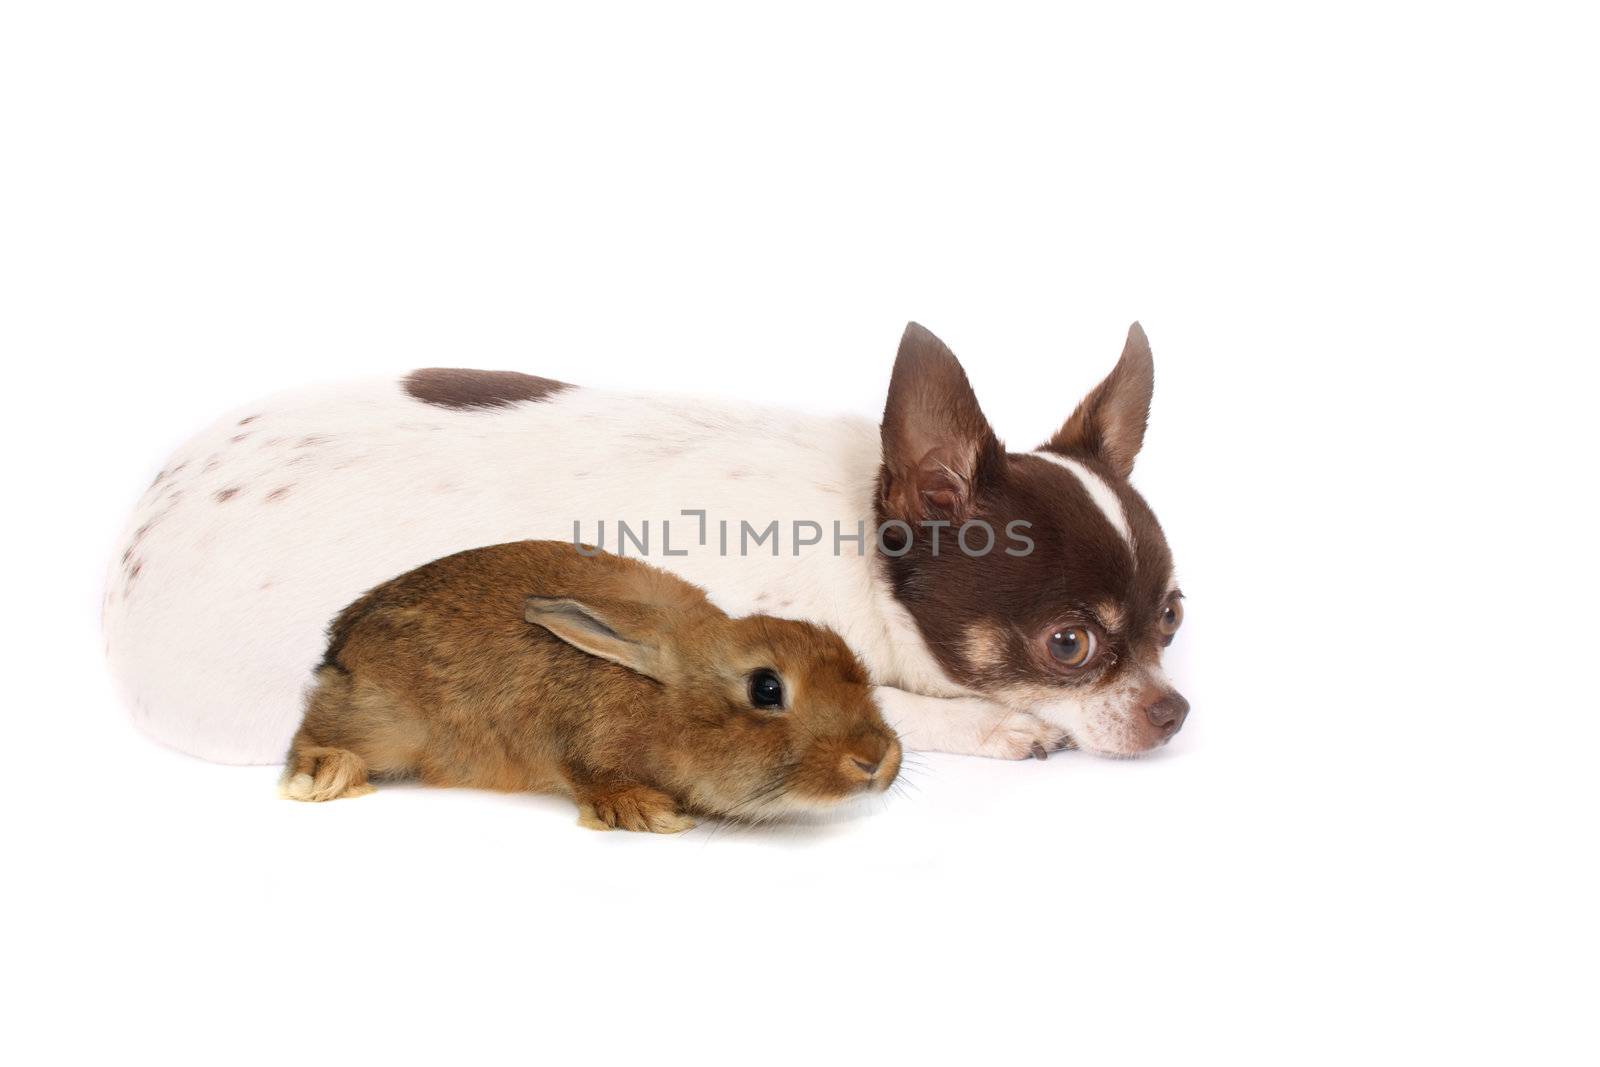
column 1119, row 751
column 1104, row 735
column 1111, row 753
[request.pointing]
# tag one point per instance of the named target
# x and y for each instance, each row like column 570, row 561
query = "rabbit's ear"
column 584, row 627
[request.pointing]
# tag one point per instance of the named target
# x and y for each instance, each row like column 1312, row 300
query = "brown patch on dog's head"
column 985, row 647
column 469, row 390
column 1064, row 615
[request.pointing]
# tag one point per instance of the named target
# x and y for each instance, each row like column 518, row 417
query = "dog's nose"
column 867, row 767
column 1168, row 713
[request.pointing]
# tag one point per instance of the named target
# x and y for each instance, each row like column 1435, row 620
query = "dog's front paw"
column 1019, row 735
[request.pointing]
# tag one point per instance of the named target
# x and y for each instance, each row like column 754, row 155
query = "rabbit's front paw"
column 317, row 773
column 633, row 807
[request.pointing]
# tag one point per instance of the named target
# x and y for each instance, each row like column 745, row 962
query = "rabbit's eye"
column 766, row 690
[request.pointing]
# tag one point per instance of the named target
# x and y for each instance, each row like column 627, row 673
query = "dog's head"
column 1069, row 610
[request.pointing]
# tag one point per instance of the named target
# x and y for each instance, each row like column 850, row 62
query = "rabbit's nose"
column 870, row 764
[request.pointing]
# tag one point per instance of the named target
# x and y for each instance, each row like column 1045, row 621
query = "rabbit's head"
column 758, row 717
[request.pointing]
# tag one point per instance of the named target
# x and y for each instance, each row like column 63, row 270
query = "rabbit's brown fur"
column 531, row 667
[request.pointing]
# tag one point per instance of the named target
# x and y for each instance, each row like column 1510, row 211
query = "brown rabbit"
column 532, row 667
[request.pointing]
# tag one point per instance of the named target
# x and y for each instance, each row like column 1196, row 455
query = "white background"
column 1363, row 242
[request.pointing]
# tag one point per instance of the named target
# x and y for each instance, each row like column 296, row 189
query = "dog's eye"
column 1072, row 646
column 1171, row 619
column 766, row 690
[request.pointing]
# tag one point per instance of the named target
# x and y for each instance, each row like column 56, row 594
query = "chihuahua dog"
column 1006, row 604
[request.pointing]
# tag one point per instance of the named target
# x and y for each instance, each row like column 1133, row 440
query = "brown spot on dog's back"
column 167, row 473
column 138, row 538
column 280, row 492
column 248, row 419
column 225, row 495
column 467, row 390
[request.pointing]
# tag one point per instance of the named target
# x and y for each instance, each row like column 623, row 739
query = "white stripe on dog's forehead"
column 1099, row 492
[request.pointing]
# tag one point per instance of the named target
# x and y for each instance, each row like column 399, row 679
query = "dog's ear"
column 937, row 446
column 607, row 634
column 1110, row 422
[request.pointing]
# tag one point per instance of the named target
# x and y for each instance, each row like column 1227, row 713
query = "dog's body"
column 264, row 526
